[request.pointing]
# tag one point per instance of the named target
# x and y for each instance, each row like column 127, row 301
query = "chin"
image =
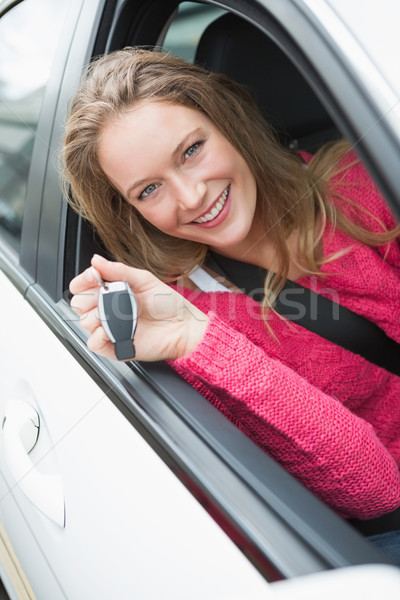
column 231, row 241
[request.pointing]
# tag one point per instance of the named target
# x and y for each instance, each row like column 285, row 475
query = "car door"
column 88, row 508
column 119, row 480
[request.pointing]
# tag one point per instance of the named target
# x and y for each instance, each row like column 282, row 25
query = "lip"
column 220, row 218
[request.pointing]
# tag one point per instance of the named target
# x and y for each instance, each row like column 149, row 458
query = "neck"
column 262, row 253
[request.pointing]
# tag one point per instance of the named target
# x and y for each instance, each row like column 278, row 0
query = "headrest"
column 236, row 48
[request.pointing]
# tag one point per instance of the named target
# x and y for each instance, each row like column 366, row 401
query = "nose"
column 189, row 192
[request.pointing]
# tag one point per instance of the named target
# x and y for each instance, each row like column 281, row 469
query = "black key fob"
column 118, row 315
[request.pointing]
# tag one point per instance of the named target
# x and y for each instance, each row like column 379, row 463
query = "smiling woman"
column 182, row 175
column 170, row 163
column 221, row 110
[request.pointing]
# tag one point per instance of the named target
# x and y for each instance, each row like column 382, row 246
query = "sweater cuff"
column 214, row 354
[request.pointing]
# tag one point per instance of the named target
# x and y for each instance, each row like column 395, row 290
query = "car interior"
column 284, row 97
column 230, row 45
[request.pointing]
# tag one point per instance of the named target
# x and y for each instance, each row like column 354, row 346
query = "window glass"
column 28, row 38
column 187, row 26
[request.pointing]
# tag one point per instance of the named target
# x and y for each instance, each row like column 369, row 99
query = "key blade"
column 97, row 275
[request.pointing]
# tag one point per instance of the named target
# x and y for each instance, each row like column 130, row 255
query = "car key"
column 118, row 315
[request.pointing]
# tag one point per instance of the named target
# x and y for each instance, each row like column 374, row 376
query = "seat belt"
column 315, row 312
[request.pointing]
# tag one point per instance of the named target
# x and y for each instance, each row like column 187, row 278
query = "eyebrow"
column 176, row 152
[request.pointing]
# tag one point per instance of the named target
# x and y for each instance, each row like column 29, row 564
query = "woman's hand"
column 168, row 327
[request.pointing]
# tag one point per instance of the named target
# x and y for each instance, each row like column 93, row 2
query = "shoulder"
column 356, row 194
column 352, row 189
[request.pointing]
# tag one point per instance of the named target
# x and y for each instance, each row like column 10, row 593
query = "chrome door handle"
column 21, row 426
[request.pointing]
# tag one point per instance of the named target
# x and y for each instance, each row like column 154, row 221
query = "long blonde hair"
column 289, row 197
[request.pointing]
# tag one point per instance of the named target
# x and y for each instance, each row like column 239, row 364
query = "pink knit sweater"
column 328, row 416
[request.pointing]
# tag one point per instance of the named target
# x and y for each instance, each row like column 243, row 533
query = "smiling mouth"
column 216, row 209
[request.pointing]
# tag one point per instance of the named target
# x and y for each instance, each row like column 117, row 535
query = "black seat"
column 236, row 48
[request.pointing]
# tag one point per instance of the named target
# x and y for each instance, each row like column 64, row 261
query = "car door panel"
column 126, row 514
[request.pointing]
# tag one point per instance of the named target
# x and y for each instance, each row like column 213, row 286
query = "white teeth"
column 216, row 209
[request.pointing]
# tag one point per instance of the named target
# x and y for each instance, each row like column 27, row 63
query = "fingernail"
column 89, row 275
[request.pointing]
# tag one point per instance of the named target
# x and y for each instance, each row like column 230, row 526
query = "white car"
column 119, row 481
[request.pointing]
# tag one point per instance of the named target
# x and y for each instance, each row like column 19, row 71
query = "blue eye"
column 148, row 190
column 192, row 149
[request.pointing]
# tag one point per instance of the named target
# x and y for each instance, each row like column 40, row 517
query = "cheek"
column 158, row 215
column 218, row 164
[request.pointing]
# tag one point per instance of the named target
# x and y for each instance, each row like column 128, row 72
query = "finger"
column 100, row 343
column 90, row 320
column 115, row 271
column 85, row 301
column 83, row 282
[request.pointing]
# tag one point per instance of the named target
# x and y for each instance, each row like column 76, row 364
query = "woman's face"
column 175, row 167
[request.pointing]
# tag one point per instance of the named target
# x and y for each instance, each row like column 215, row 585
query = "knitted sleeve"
column 330, row 450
